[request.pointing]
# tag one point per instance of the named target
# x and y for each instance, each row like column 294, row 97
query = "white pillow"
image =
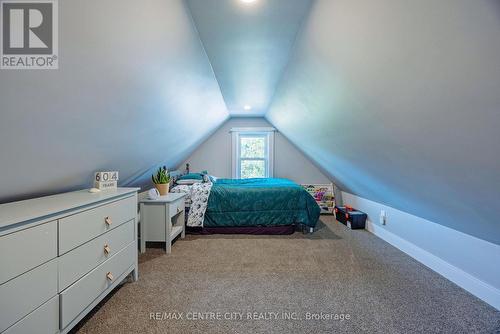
column 188, row 181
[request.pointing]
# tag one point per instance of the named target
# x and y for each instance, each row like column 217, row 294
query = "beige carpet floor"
column 282, row 284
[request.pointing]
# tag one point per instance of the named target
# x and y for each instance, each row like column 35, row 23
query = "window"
column 252, row 152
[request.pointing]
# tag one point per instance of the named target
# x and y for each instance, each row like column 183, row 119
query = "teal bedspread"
column 259, row 202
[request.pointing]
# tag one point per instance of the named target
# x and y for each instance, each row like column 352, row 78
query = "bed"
column 250, row 206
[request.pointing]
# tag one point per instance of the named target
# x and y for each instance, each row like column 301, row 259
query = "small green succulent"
column 161, row 177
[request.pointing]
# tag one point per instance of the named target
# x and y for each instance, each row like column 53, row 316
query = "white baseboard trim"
column 478, row 288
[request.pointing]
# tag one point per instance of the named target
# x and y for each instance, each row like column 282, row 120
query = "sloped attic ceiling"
column 248, row 44
column 399, row 101
column 134, row 89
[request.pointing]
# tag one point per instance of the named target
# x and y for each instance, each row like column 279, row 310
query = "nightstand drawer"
column 25, row 293
column 76, row 263
column 176, row 207
column 81, row 294
column 24, row 250
column 77, row 229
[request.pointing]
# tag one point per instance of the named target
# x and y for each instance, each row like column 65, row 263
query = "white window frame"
column 237, row 133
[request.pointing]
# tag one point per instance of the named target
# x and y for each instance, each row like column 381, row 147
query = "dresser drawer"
column 176, row 207
column 44, row 320
column 83, row 259
column 25, row 293
column 77, row 229
column 81, row 294
column 24, row 250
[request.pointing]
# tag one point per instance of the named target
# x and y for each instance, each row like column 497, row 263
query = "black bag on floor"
column 350, row 217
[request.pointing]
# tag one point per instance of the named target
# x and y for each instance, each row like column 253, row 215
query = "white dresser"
column 61, row 255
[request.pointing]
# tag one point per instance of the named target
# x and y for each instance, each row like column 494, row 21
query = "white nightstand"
column 162, row 220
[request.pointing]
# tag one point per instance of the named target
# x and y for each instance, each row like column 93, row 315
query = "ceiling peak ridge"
column 195, row 26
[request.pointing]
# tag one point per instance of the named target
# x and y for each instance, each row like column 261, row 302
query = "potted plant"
column 161, row 180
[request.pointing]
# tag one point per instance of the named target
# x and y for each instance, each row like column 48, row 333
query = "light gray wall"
column 134, row 89
column 214, row 155
column 399, row 101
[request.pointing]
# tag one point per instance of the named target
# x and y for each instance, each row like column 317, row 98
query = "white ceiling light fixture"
column 248, row 1
column 247, row 107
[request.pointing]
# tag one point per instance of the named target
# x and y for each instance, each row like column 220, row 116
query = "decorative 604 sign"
column 105, row 180
column 105, row 176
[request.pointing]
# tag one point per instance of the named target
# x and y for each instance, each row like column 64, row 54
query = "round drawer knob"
column 109, row 276
column 107, row 249
column 108, row 221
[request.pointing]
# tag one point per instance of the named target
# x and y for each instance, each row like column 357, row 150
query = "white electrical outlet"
column 383, row 217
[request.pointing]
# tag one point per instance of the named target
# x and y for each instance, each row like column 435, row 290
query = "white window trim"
column 236, row 133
